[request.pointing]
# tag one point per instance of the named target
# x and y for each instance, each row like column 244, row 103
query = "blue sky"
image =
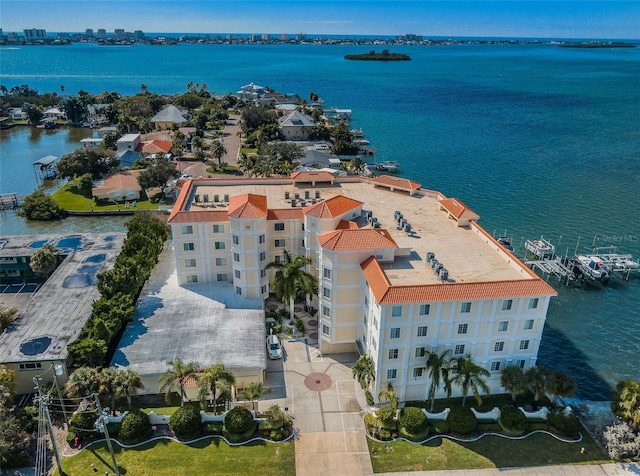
column 618, row 19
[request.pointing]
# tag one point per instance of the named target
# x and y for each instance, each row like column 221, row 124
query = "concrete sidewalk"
column 620, row 469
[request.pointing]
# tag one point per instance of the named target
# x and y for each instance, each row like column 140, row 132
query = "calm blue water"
column 538, row 140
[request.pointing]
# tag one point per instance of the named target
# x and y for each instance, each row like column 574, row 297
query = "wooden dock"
column 10, row 201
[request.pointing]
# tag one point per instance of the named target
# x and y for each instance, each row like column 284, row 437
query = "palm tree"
column 218, row 150
column 438, row 369
column 127, row 382
column 389, row 395
column 513, row 381
column 364, row 371
column 83, row 382
column 535, row 379
column 44, row 260
column 470, row 376
column 215, row 381
column 176, row 376
column 290, row 277
column 254, row 391
column 626, row 402
column 560, row 384
column 248, row 163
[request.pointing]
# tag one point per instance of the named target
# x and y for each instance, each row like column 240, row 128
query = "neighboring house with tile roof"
column 296, row 125
column 386, row 290
column 118, row 187
column 168, row 116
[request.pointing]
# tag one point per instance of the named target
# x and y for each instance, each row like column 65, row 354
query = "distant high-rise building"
column 138, row 34
column 301, row 37
column 88, row 32
column 34, row 33
column 102, row 33
column 409, row 37
column 265, row 37
column 284, row 37
column 119, row 32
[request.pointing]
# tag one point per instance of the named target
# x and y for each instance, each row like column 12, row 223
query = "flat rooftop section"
column 462, row 252
column 56, row 313
column 197, row 323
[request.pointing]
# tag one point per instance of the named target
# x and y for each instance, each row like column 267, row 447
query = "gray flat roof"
column 197, row 323
column 56, row 313
column 46, row 160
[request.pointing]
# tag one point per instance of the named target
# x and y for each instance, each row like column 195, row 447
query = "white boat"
column 506, row 243
column 541, row 248
column 592, row 266
column 389, row 166
column 360, row 142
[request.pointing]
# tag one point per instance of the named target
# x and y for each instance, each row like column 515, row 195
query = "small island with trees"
column 385, row 55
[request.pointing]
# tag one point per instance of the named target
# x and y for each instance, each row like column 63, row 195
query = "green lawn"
column 488, row 452
column 73, row 201
column 167, row 458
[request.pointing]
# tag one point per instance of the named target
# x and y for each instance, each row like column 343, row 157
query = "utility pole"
column 101, row 426
column 45, row 402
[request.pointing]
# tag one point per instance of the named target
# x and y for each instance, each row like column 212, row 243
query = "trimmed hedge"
column 135, row 427
column 412, row 420
column 186, row 422
column 565, row 425
column 238, row 420
column 513, row 421
column 462, row 421
column 386, row 418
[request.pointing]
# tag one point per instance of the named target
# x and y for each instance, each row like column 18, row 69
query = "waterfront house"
column 118, row 187
column 91, row 143
column 54, row 114
column 17, row 114
column 296, row 125
column 128, row 142
column 251, row 92
column 168, row 116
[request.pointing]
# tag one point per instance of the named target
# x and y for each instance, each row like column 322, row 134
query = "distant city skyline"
column 599, row 19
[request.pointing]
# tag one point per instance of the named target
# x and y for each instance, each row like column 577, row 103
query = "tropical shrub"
column 300, row 326
column 412, row 419
column 371, row 422
column 186, row 422
column 513, row 421
column 565, row 425
column 462, row 421
column 386, row 418
column 621, row 441
column 238, row 420
column 276, row 425
column 135, row 427
column 39, row 206
column 369, row 398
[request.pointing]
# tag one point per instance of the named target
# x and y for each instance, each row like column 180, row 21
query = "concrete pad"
column 330, row 403
column 313, row 464
column 333, row 422
column 341, row 463
column 312, row 442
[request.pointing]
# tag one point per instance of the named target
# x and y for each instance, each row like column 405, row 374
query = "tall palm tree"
column 513, row 381
column 127, row 383
column 218, row 150
column 215, row 381
column 254, row 391
column 535, row 379
column 248, row 164
column 176, row 375
column 438, row 369
column 290, row 277
column 364, row 371
column 626, row 402
column 83, row 382
column 389, row 395
column 470, row 376
column 560, row 384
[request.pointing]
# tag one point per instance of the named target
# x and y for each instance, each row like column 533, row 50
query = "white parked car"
column 274, row 347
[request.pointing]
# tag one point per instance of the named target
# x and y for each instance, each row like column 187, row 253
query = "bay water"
column 536, row 139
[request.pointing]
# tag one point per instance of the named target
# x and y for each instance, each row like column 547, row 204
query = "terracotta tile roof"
column 332, row 207
column 154, row 147
column 248, row 205
column 458, row 209
column 204, row 216
column 182, row 200
column 362, row 239
column 127, row 180
column 319, row 176
column 347, row 225
column 285, row 214
column 392, row 181
column 387, row 294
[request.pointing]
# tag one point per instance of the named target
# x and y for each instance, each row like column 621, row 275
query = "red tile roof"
column 458, row 209
column 248, row 205
column 387, row 294
column 319, row 176
column 154, row 146
column 347, row 225
column 285, row 214
column 332, row 207
column 200, row 216
column 127, row 180
column 362, row 239
column 390, row 180
column 181, row 201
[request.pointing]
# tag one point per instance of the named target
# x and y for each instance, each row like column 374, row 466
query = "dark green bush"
column 239, row 437
column 564, row 425
column 369, row 397
column 438, row 427
column 238, row 420
column 513, row 421
column 82, row 423
column 386, row 418
column 274, row 433
column 412, row 420
column 300, row 326
column 186, row 422
column 462, row 421
column 371, row 422
column 384, row 435
column 213, row 428
column 135, row 427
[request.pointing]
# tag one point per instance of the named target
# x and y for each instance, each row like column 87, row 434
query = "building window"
column 186, row 229
column 421, row 351
column 392, row 374
column 326, row 273
column 326, row 330
column 422, row 331
column 463, row 328
column 188, row 246
column 261, row 239
column 222, row 277
column 495, row 366
column 394, row 333
column 236, row 257
column 236, row 273
column 239, row 290
column 190, row 263
column 277, row 259
column 326, row 292
column 465, row 307
column 503, row 326
column 263, row 289
column 425, row 309
column 219, row 245
column 279, row 243
column 221, row 261
column 235, row 239
column 278, row 226
column 528, row 325
column 506, row 304
column 263, row 273
column 366, row 301
column 193, row 278
column 459, row 350
column 31, row 366
column 364, row 319
column 498, row 347
column 326, row 311
column 393, row 353
column 418, row 372
column 218, row 228
column 524, row 344
column 263, row 255
column 396, row 311
column 519, row 363
column 533, row 303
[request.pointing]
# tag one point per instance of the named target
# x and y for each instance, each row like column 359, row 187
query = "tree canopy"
column 96, row 162
column 39, row 206
column 158, row 174
column 44, row 260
